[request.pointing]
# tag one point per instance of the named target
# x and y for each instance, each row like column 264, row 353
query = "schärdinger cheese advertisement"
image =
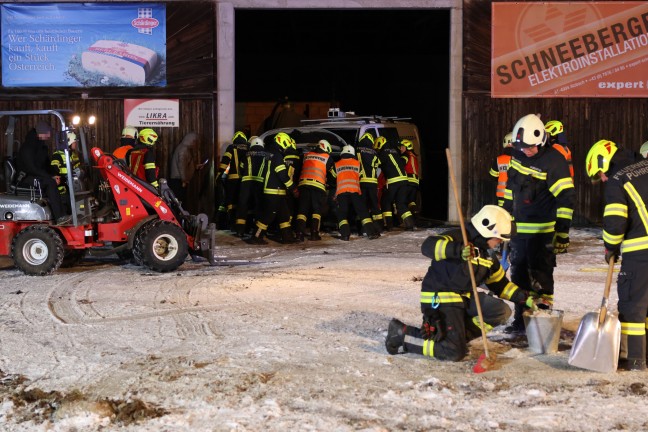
column 83, row 44
column 579, row 49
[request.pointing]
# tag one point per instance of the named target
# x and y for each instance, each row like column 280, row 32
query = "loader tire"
column 161, row 246
column 37, row 250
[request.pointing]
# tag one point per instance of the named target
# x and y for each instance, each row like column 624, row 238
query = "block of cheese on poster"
column 129, row 62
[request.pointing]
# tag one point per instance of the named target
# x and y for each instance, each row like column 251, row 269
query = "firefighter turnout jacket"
column 540, row 192
column 625, row 221
column 232, row 158
column 141, row 161
column 446, row 292
column 625, row 229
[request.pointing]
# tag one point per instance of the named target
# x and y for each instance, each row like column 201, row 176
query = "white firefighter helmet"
column 529, row 131
column 130, row 132
column 256, row 141
column 493, row 221
column 71, row 138
column 644, row 149
column 508, row 140
column 347, row 149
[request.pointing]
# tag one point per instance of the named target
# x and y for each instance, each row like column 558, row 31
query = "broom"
column 486, row 361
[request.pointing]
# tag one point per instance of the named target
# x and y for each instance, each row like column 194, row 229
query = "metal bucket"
column 543, row 330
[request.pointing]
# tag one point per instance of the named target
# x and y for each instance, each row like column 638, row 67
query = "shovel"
column 597, row 341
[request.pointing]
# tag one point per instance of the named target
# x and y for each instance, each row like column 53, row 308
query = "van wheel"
column 37, row 250
column 162, row 246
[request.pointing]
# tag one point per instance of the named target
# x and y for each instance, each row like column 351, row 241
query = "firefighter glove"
column 467, row 252
column 432, row 327
column 535, row 303
column 560, row 242
column 611, row 255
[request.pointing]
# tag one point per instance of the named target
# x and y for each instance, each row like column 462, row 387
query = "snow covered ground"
column 286, row 337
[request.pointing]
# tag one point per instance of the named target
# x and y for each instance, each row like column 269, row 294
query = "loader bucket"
column 206, row 243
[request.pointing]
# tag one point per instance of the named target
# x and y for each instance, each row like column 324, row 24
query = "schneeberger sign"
column 584, row 49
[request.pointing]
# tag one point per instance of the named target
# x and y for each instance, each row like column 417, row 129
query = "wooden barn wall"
column 190, row 78
column 486, row 121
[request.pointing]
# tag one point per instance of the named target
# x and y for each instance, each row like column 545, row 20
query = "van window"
column 350, row 136
column 391, row 134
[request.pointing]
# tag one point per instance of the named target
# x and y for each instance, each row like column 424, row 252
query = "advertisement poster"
column 83, row 44
column 152, row 113
column 580, row 49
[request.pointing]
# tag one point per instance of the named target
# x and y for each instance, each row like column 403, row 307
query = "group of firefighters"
column 535, row 202
column 272, row 184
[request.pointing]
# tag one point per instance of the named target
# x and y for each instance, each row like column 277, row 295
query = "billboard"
column 83, row 44
column 579, row 49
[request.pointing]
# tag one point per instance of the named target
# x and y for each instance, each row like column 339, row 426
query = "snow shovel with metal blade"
column 596, row 345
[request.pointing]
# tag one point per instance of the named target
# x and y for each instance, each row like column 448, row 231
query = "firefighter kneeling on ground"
column 450, row 317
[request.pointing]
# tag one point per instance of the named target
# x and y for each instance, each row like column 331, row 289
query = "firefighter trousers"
column 632, row 288
column 461, row 323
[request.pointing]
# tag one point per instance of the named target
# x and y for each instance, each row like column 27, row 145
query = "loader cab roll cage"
column 79, row 206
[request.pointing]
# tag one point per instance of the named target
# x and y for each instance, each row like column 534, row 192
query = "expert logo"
column 621, row 85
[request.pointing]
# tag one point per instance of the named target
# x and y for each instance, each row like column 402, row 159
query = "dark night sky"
column 385, row 62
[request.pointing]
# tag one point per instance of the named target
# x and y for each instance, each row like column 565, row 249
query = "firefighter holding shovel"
column 625, row 232
column 450, row 316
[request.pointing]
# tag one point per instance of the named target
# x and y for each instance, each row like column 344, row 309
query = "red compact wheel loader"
column 113, row 211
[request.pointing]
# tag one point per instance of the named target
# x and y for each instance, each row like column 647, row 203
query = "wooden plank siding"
column 487, row 120
column 190, row 78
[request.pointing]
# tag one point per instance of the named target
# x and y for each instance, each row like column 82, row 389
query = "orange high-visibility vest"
column 564, row 150
column 314, row 170
column 348, row 176
column 503, row 162
column 120, row 152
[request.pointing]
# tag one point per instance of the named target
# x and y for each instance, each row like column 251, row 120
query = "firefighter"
column 540, row 193
column 413, row 173
column 317, row 168
column 558, row 140
column 276, row 184
column 141, row 158
column 127, row 141
column 293, row 161
column 348, row 195
column 624, row 233
column 369, row 164
column 450, row 317
column 59, row 162
column 500, row 166
column 228, row 173
column 392, row 166
column 251, row 190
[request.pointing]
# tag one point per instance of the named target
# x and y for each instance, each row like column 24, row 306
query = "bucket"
column 543, row 330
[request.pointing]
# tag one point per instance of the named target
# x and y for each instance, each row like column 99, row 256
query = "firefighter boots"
column 257, row 238
column 395, row 336
column 632, row 364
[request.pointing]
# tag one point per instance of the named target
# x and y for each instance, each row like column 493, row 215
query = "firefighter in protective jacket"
column 625, row 232
column 369, row 164
column 228, row 172
column 276, row 184
column 393, row 168
column 540, row 194
column 348, row 196
column 141, row 158
column 450, row 317
column 317, row 168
